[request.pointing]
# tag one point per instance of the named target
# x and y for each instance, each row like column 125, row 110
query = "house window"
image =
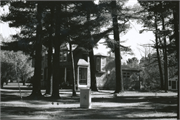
column 103, row 64
column 169, row 83
column 63, row 56
column 98, row 64
column 124, row 75
column 82, row 76
column 128, row 75
column 173, row 84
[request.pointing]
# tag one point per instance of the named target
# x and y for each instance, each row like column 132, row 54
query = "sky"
column 5, row 30
column 132, row 37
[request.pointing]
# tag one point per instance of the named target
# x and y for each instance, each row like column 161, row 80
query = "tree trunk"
column 36, row 91
column 24, row 82
column 158, row 56
column 91, row 57
column 176, row 28
column 49, row 85
column 72, row 71
column 165, row 56
column 176, row 33
column 119, row 80
column 56, row 76
column 93, row 70
column 2, row 84
column 162, row 52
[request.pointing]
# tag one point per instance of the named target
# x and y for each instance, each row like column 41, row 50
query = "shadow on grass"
column 151, row 107
column 81, row 113
column 136, row 99
column 117, row 113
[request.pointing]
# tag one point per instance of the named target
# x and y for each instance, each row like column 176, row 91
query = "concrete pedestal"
column 85, row 98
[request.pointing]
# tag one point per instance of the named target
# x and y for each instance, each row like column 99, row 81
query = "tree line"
column 161, row 17
column 51, row 24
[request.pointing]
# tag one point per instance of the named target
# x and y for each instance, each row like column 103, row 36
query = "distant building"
column 105, row 78
column 173, row 83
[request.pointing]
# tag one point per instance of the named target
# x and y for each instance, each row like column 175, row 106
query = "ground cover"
column 105, row 105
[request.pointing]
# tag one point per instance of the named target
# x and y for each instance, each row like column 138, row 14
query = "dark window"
column 103, row 64
column 128, row 74
column 124, row 75
column 63, row 56
column 98, row 63
column 173, row 84
column 169, row 83
column 83, row 76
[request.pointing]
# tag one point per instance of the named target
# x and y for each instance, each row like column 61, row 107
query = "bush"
column 150, row 79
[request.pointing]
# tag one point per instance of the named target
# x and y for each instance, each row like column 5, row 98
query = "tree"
column 133, row 62
column 57, row 43
column 120, row 16
column 36, row 91
column 162, row 20
column 150, row 72
column 119, row 80
column 31, row 31
column 73, row 71
column 89, row 34
column 15, row 66
column 7, row 68
column 50, row 45
column 157, row 51
column 165, row 52
column 169, row 13
column 27, row 11
column 91, row 53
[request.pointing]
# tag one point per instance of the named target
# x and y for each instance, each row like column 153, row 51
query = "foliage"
column 132, row 82
column 150, row 75
column 128, row 83
column 15, row 66
column 172, row 65
column 161, row 17
column 25, row 10
column 133, row 62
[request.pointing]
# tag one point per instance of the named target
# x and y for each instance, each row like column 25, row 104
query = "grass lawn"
column 105, row 105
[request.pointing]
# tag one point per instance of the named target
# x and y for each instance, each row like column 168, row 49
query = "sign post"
column 85, row 98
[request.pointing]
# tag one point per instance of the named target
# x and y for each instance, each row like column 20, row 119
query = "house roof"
column 174, row 78
column 82, row 62
column 100, row 54
column 131, row 69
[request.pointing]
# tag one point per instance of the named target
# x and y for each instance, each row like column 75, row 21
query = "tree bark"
column 91, row 57
column 93, row 69
column 56, row 76
column 165, row 55
column 24, row 82
column 119, row 80
column 49, row 85
column 176, row 28
column 36, row 91
column 2, row 84
column 176, row 33
column 157, row 50
column 72, row 71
